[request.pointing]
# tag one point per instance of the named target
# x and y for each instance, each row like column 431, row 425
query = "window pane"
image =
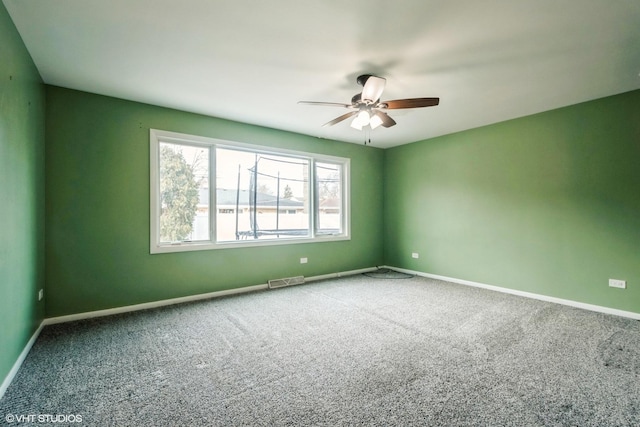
column 260, row 196
column 329, row 196
column 184, row 193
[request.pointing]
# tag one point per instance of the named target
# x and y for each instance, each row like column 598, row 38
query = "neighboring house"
column 330, row 205
column 286, row 217
column 227, row 199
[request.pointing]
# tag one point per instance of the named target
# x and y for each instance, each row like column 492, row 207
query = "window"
column 208, row 194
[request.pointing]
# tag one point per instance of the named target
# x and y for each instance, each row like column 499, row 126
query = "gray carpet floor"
column 352, row 351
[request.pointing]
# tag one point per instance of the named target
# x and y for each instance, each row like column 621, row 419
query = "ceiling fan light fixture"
column 375, row 121
column 356, row 124
column 373, row 88
column 363, row 117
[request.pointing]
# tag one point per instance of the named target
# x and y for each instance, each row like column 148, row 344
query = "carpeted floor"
column 352, row 351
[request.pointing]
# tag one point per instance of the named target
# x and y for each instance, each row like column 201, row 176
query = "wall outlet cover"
column 615, row 283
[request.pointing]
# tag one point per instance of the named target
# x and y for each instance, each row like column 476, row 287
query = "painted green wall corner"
column 548, row 204
column 21, row 195
column 97, row 209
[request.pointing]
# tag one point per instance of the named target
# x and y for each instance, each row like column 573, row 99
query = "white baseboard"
column 341, row 274
column 191, row 298
column 148, row 305
column 585, row 306
column 16, row 366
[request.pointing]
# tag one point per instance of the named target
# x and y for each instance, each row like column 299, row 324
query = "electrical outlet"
column 614, row 283
column 40, row 294
column 415, row 255
column 304, row 260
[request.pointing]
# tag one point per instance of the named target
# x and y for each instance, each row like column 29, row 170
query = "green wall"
column 21, row 195
column 97, row 209
column 548, row 204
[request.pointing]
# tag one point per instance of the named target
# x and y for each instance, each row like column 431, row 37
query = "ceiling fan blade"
column 373, row 88
column 326, row 104
column 341, row 118
column 386, row 120
column 409, row 103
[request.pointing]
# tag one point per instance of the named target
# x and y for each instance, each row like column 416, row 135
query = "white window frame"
column 156, row 246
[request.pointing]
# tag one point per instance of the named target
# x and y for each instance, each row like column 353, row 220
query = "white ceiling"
column 252, row 60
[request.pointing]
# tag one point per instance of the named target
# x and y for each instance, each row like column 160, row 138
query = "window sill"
column 205, row 246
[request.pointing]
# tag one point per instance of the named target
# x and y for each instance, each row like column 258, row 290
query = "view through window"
column 208, row 193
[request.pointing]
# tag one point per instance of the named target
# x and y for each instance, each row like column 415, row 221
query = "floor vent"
column 288, row 281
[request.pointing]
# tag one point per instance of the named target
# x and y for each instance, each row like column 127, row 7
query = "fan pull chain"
column 367, row 137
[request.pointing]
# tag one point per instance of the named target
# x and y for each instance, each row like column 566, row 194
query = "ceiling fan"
column 367, row 108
